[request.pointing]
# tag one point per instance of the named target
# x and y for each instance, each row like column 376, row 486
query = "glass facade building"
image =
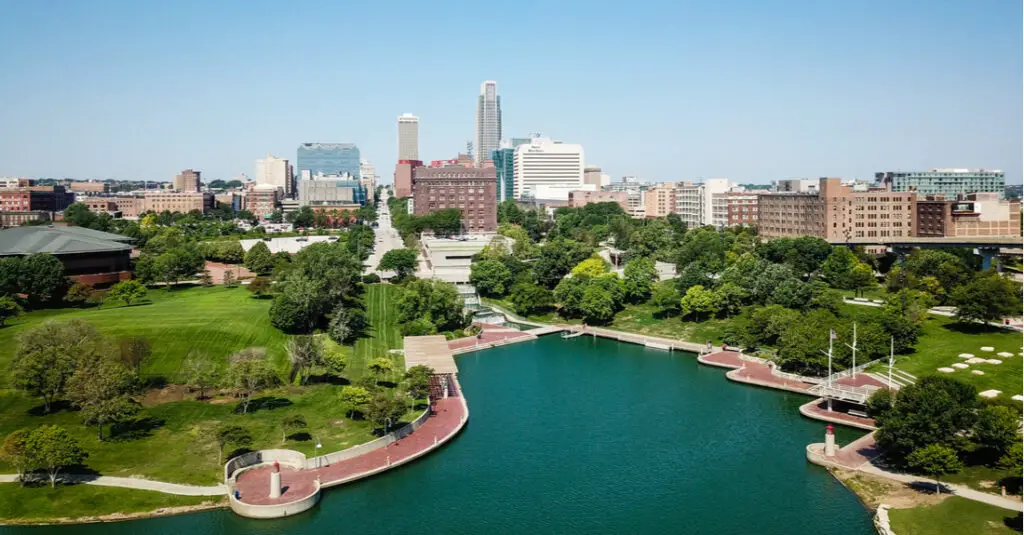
column 328, row 159
column 504, row 162
column 948, row 182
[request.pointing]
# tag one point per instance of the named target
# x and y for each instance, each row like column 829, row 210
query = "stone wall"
column 277, row 510
column 356, row 451
column 236, row 465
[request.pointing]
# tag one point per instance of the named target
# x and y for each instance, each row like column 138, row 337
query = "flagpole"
column 830, row 358
column 853, row 371
column 892, row 346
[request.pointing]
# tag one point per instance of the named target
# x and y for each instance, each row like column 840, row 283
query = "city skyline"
column 768, row 93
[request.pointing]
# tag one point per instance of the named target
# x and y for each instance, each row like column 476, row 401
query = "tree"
column 699, row 303
column 380, row 366
column 355, row 397
column 259, row 287
column 597, row 305
column 935, row 460
column 126, row 292
column 334, row 362
column 200, row 375
column 793, row 294
column 988, row 297
column 764, row 326
column 383, row 412
column 205, row 279
column 530, row 299
column 433, row 301
column 235, row 435
column 9, row 308
column 134, row 351
column 862, row 277
column 594, row 266
column 42, row 279
column 997, row 429
column 304, row 352
column 49, row 354
column 730, row 298
column 15, row 453
column 557, row 258
column 249, row 372
column 640, row 274
column 490, row 277
column 52, row 449
column 291, row 424
column 229, row 279
column 418, row 379
column 347, row 324
column 78, row 294
column 934, row 410
column 401, row 261
column 99, row 389
column 569, row 294
column 258, row 258
column 665, row 298
column 838, row 266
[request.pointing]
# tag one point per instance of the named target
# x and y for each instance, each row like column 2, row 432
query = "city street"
column 386, row 238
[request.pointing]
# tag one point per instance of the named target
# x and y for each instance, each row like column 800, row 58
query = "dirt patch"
column 873, row 491
column 222, row 401
column 337, row 423
column 167, row 394
column 214, row 503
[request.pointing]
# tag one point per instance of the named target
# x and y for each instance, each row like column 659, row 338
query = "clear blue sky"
column 750, row 90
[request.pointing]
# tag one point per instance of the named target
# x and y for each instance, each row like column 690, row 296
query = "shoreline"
column 120, row 517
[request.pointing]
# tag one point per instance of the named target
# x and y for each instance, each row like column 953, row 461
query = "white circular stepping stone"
column 990, row 393
column 946, row 370
column 994, row 361
column 960, row 365
column 987, row 348
column 965, row 355
column 977, row 372
column 975, row 360
column 1004, row 354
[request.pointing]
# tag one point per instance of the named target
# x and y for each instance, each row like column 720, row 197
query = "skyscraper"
column 504, row 162
column 488, row 122
column 546, row 169
column 277, row 172
column 328, row 159
column 408, row 137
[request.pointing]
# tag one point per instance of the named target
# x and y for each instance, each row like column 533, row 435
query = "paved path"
column 490, row 336
column 386, row 237
column 254, row 485
column 135, row 483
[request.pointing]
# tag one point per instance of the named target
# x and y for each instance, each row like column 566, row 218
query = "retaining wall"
column 236, row 465
column 366, row 447
column 279, row 510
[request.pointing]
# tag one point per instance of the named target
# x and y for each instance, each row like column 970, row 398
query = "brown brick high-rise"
column 471, row 190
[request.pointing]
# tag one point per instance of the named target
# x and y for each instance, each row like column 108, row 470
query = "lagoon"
column 583, row 436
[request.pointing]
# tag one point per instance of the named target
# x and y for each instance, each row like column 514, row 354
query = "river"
column 583, row 436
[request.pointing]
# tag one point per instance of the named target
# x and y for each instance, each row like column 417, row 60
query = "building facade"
column 948, row 182
column 579, row 198
column 554, row 167
column 731, row 209
column 660, row 200
column 471, row 190
column 177, row 201
column 35, row 198
column 488, row 122
column 328, row 159
column 975, row 215
column 188, row 180
column 408, row 137
column 592, row 175
column 403, row 177
column 796, row 186
column 790, row 215
column 276, row 172
column 90, row 187
column 263, row 200
column 331, row 191
column 694, row 200
column 504, row 160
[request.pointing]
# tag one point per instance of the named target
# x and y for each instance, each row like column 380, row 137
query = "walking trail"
column 134, row 483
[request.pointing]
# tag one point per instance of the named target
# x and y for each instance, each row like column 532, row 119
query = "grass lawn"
column 876, row 292
column 954, row 516
column 174, row 441
column 214, row 322
column 641, row 319
column 25, row 505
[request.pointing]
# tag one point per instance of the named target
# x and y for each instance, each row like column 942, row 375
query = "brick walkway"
column 490, row 334
column 254, row 485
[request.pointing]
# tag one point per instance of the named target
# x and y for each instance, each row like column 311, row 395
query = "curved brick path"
column 254, row 485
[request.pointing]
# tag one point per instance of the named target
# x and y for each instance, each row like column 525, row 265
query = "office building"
column 693, row 200
column 177, row 201
column 471, row 190
column 328, row 159
column 488, row 122
column 408, row 137
column 796, row 186
column 276, row 172
column 660, row 200
column 592, row 175
column 580, row 198
column 331, row 191
column 90, row 187
column 948, row 182
column 733, row 208
column 35, row 199
column 973, row 215
column 403, row 177
column 547, row 170
column 187, row 180
column 263, row 200
column 504, row 163
column 451, row 259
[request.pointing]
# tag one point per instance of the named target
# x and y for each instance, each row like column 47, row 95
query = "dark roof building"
column 89, row 256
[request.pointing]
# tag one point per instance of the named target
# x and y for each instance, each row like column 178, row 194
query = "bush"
column 371, row 278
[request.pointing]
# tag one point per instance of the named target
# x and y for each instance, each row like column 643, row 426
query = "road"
column 386, row 238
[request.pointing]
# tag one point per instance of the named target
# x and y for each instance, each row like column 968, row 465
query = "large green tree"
column 100, row 390
column 639, row 275
column 53, row 449
column 988, row 297
column 258, row 258
column 935, row 460
column 48, row 355
column 435, row 301
column 401, row 261
column 491, row 278
column 127, row 292
column 935, row 410
column 530, row 298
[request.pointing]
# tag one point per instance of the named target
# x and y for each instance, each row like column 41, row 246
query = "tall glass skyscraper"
column 488, row 122
column 504, row 163
column 328, row 159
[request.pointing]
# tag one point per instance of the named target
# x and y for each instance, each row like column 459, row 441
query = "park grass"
column 382, row 336
column 211, row 322
column 954, row 515
column 643, row 319
column 27, row 505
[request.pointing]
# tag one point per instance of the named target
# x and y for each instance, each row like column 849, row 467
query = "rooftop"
column 59, row 240
column 432, row 351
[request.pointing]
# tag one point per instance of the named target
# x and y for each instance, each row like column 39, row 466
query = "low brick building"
column 89, row 256
column 974, row 215
column 579, row 198
column 35, row 198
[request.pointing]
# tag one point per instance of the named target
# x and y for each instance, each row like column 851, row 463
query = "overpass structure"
column 988, row 247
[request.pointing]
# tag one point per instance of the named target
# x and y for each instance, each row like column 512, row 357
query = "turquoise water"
column 585, row 436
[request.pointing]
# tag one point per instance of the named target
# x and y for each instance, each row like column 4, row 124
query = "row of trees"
column 447, row 222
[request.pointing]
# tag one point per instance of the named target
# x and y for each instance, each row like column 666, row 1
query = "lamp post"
column 317, row 452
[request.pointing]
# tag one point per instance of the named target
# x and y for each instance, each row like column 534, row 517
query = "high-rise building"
column 548, row 170
column 504, row 162
column 660, row 200
column 693, row 201
column 328, row 159
column 488, row 121
column 187, row 180
column 471, row 190
column 408, row 137
column 975, row 214
column 733, row 208
column 592, row 175
column 948, row 182
column 276, row 172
